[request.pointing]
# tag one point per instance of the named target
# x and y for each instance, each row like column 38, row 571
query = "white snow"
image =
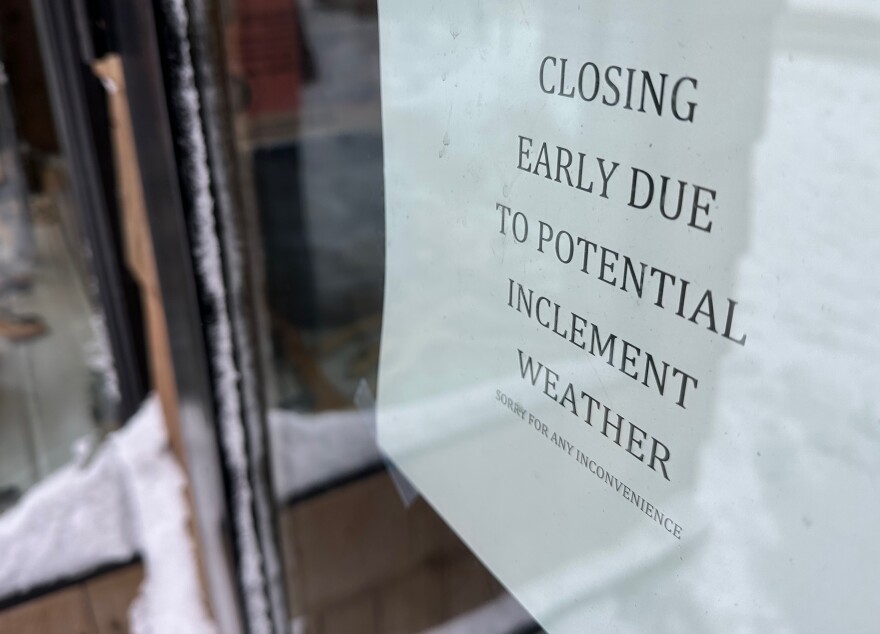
column 75, row 520
column 210, row 269
column 99, row 357
column 170, row 599
column 311, row 449
column 128, row 499
column 246, row 350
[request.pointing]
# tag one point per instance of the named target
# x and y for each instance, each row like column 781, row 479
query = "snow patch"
column 309, row 450
column 170, row 599
column 211, row 273
column 129, row 499
column 74, row 521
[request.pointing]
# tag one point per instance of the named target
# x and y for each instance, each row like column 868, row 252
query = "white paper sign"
column 630, row 343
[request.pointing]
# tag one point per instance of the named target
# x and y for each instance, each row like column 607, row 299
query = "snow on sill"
column 127, row 500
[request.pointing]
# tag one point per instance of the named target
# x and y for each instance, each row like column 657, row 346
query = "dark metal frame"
column 134, row 28
column 72, row 33
column 205, row 39
column 150, row 49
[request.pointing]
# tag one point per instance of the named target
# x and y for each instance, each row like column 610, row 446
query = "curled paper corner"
column 366, row 403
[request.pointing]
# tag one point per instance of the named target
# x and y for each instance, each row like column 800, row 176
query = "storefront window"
column 58, row 387
column 361, row 551
column 590, row 227
column 461, row 317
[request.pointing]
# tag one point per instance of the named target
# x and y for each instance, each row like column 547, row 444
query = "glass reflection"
column 361, row 554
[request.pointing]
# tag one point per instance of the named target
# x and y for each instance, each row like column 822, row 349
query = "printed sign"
column 622, row 352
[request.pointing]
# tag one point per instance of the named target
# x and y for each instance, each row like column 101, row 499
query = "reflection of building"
column 275, row 61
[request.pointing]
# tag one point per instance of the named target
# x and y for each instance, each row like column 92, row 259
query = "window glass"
column 362, row 552
column 58, row 391
column 617, row 262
